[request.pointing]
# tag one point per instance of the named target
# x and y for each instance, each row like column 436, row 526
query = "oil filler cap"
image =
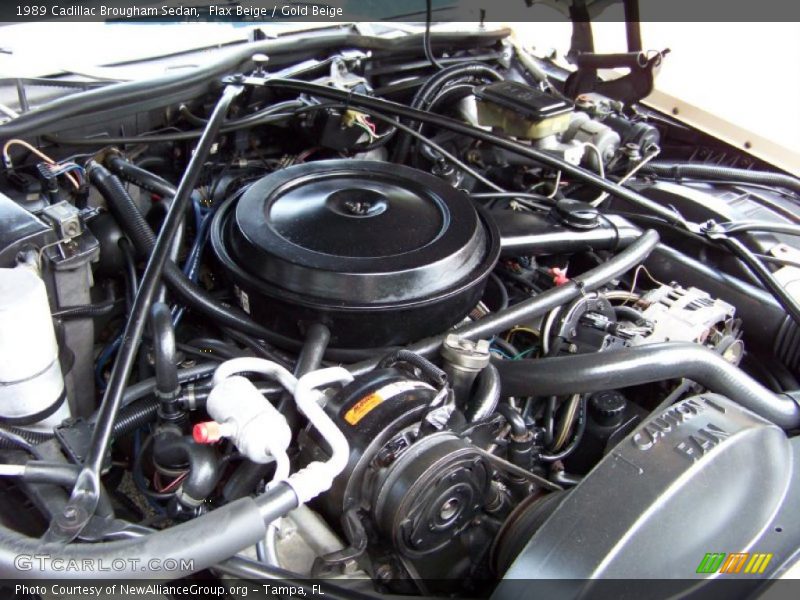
column 576, row 214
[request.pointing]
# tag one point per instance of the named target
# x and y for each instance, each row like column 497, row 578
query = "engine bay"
column 324, row 308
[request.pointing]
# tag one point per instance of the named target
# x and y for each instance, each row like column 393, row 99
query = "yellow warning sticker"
column 362, row 408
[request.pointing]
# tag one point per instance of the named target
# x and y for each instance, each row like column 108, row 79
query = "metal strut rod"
column 83, row 501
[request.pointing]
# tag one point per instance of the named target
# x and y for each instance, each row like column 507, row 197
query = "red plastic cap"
column 559, row 276
column 206, row 433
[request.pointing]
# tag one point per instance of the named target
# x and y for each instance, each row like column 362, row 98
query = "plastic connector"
column 209, row 432
column 559, row 276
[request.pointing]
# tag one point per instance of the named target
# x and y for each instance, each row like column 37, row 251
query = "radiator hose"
column 486, row 395
column 584, row 373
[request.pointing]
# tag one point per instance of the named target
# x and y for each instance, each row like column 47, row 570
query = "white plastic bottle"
column 32, row 393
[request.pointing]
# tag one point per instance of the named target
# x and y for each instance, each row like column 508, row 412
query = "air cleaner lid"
column 358, row 232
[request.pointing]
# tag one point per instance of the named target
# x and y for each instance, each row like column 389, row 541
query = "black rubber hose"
column 130, row 418
column 433, row 374
column 677, row 171
column 192, row 118
column 259, row 348
column 127, row 213
column 509, row 349
column 140, row 177
column 501, row 290
column 431, row 88
column 576, row 438
column 169, row 448
column 150, row 182
column 449, row 95
column 223, row 349
column 428, row 92
column 144, row 388
column 171, row 553
column 134, row 416
column 584, row 373
column 565, row 479
column 313, row 351
column 627, row 313
column 446, row 97
column 514, row 419
column 486, row 394
column 266, row 116
column 426, row 40
column 244, row 480
column 59, row 473
column 423, row 97
column 164, row 351
column 122, row 207
column 309, row 359
column 33, row 437
column 550, row 420
column 20, row 439
column 759, row 226
column 131, row 276
column 86, row 311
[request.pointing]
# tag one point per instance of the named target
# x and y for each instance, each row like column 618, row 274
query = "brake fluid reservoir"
column 32, row 393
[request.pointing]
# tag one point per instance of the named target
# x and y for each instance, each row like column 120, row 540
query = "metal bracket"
column 628, row 89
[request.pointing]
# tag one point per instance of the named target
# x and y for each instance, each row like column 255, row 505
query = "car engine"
column 322, row 309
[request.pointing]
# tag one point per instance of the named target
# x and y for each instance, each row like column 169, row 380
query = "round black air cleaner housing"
column 382, row 254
